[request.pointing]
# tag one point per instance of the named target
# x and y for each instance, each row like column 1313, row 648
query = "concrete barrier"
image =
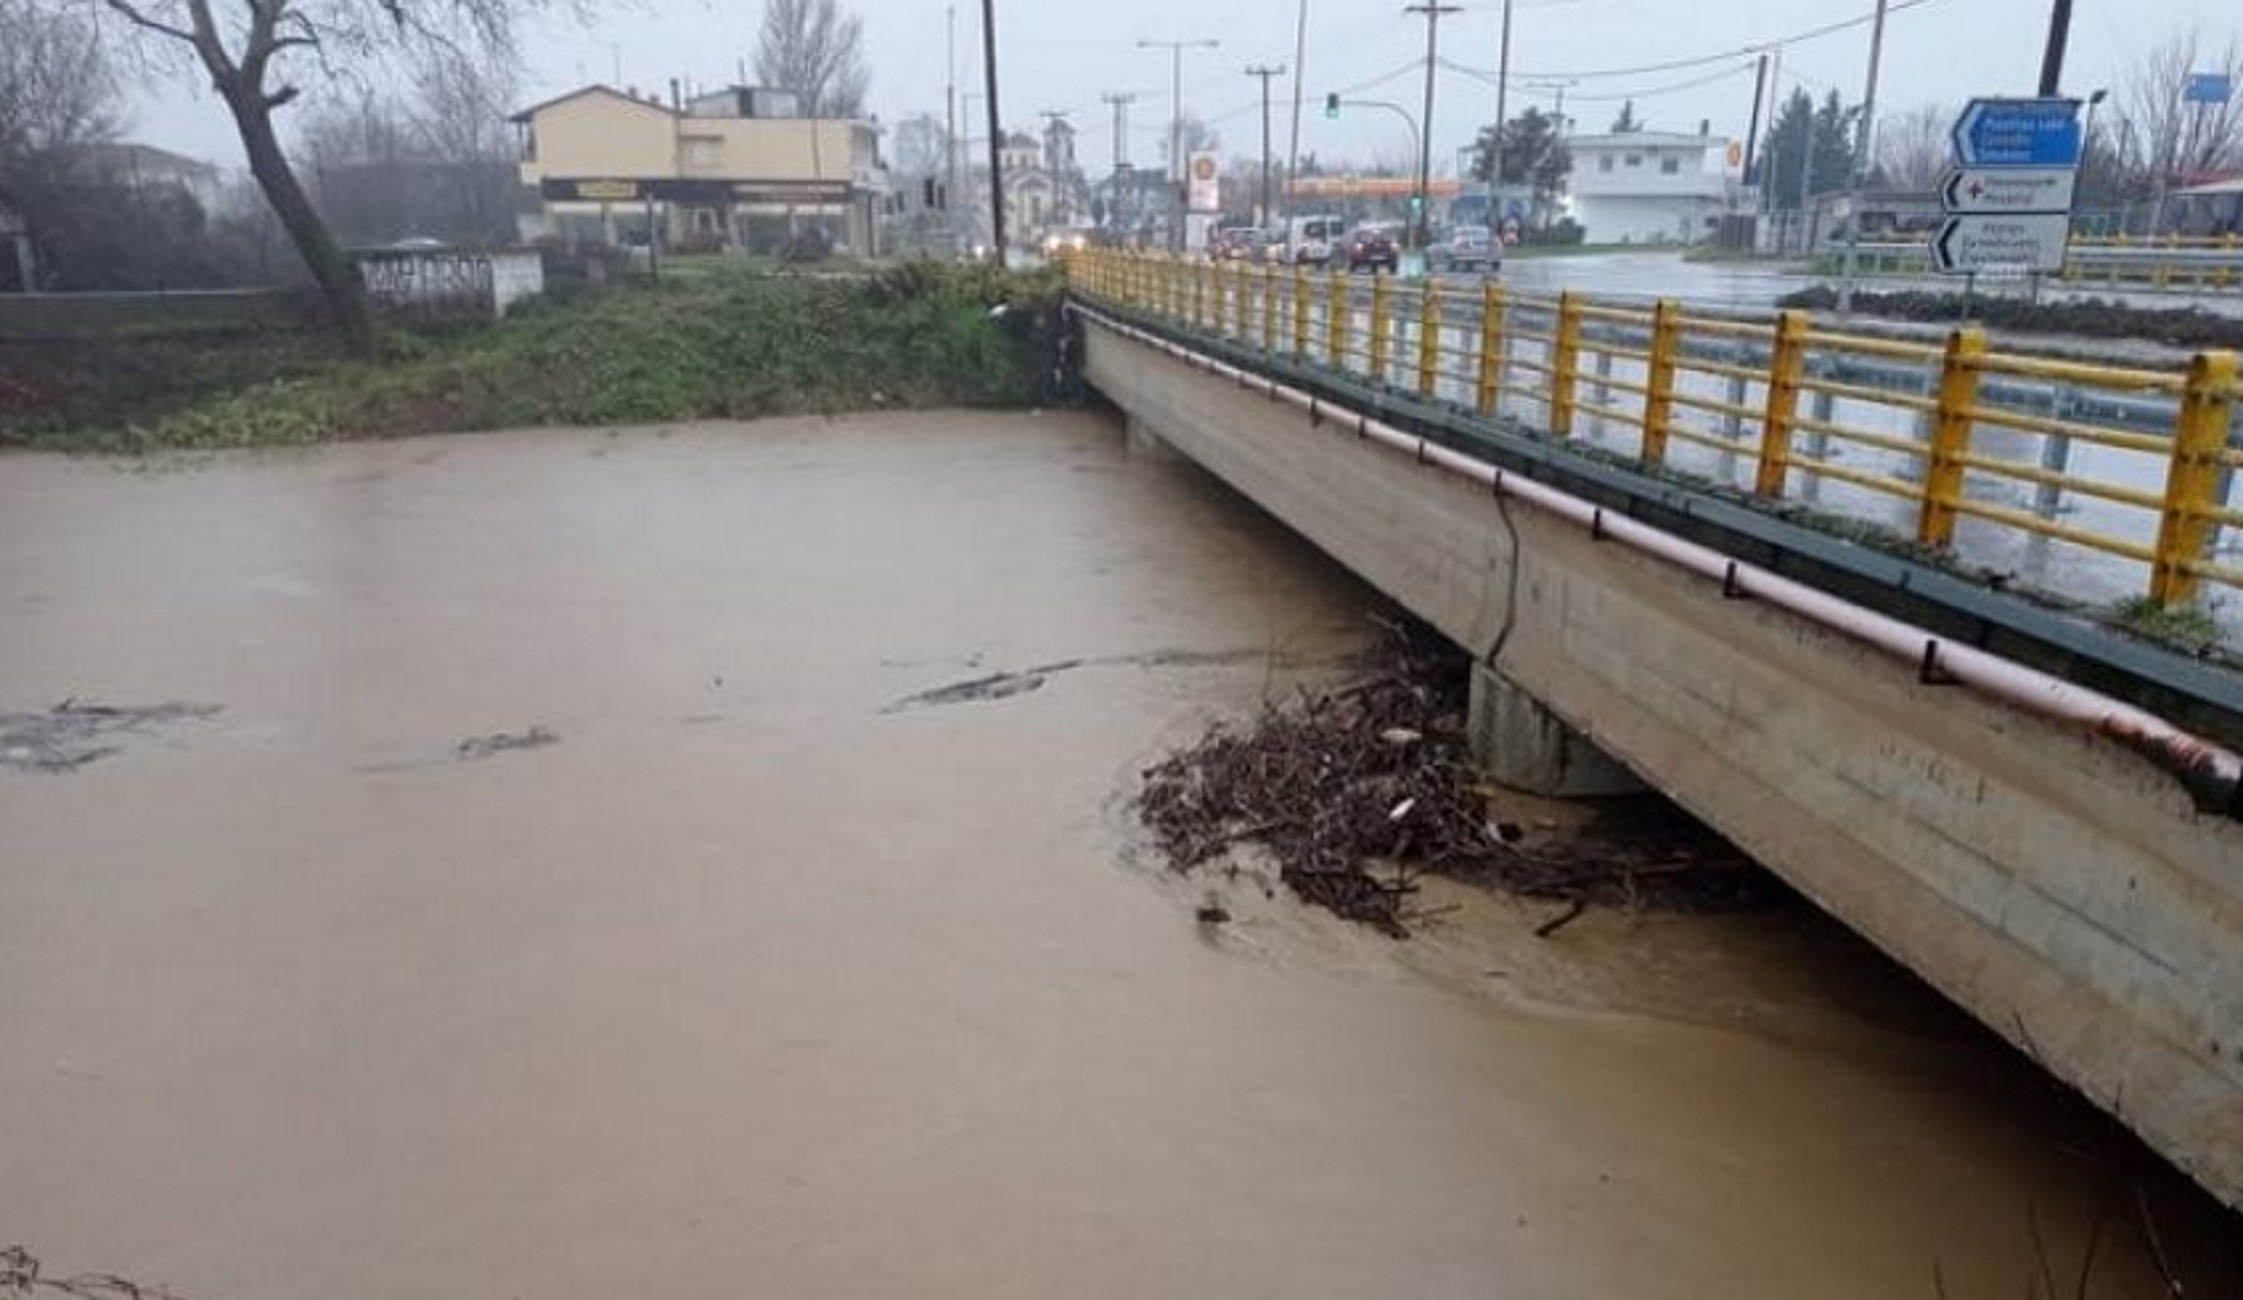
column 2062, row 888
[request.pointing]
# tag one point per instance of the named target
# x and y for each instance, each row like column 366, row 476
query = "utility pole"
column 1860, row 170
column 1300, row 70
column 1752, row 132
column 1432, row 9
column 1265, row 72
column 1502, row 90
column 950, row 123
column 1119, row 101
column 1052, row 117
column 1176, row 169
column 2059, row 36
column 1772, row 162
column 996, row 134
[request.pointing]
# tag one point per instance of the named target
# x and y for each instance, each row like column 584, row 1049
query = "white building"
column 1652, row 187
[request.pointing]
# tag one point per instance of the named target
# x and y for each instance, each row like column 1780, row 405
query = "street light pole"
column 1265, row 72
column 1120, row 100
column 1432, row 9
column 1176, row 169
column 1300, row 70
column 1860, row 170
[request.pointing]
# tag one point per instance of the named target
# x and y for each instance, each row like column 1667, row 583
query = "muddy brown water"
column 558, row 904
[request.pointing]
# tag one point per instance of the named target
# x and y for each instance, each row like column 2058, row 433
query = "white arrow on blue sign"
column 2018, row 133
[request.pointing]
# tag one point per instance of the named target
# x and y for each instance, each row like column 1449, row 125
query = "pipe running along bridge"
column 1779, row 572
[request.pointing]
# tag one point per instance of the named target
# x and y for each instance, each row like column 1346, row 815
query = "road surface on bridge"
column 558, row 905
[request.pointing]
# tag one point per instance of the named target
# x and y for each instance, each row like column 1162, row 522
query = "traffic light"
column 1332, row 105
column 927, row 192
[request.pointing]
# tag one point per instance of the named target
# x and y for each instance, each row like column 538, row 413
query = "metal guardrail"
column 2132, row 465
column 2202, row 264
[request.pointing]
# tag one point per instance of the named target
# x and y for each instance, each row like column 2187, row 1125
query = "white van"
column 1310, row 241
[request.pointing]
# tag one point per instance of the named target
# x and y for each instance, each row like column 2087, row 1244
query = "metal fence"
column 2101, row 482
column 2196, row 264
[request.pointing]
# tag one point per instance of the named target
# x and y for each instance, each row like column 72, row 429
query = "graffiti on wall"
column 449, row 281
column 432, row 280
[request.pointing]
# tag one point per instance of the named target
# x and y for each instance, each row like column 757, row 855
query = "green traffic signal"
column 1332, row 105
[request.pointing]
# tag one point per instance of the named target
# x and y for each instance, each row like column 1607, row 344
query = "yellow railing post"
column 1219, row 300
column 1785, row 369
column 1335, row 322
column 2192, row 477
column 1658, row 397
column 1200, row 295
column 1379, row 312
column 1269, row 309
column 1565, row 365
column 1243, row 327
column 1488, row 391
column 1950, row 438
column 1300, row 312
column 1428, row 338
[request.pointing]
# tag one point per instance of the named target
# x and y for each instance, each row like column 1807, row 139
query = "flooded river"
column 555, row 905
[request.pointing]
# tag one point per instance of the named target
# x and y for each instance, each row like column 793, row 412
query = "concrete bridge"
column 2041, row 816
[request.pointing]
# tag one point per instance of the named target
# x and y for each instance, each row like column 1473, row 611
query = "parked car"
column 1466, row 248
column 1371, row 246
column 1235, row 244
column 1311, row 240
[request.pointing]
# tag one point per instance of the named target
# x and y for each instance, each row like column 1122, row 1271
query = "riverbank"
column 735, row 345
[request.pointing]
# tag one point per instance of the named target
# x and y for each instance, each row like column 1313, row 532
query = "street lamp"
column 1417, row 138
column 1176, row 125
column 2087, row 133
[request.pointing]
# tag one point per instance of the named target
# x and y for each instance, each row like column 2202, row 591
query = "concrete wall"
column 601, row 133
column 108, row 315
column 479, row 282
column 2055, row 884
column 607, row 135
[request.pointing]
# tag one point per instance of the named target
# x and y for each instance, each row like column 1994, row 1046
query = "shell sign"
column 1205, row 193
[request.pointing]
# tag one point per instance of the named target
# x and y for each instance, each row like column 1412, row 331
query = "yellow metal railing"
column 1950, row 442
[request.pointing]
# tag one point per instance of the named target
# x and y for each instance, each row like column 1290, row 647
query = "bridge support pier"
column 1520, row 743
column 1146, row 443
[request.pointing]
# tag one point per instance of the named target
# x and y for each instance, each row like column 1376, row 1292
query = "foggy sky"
column 1061, row 54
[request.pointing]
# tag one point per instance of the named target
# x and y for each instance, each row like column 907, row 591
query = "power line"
column 1614, row 97
column 1676, row 65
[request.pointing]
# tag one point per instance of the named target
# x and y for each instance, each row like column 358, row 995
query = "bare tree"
column 811, row 48
column 2161, row 139
column 56, row 83
column 1913, row 149
column 460, row 116
column 56, row 88
column 380, row 167
column 245, row 51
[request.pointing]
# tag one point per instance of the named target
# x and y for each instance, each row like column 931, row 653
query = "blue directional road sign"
column 2207, row 88
column 2018, row 133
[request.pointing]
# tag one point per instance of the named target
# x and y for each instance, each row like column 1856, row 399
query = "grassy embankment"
column 730, row 346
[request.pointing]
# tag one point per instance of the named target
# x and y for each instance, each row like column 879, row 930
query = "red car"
column 1370, row 246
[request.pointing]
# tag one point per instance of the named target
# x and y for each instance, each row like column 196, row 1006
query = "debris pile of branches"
column 22, row 1278
column 1358, row 791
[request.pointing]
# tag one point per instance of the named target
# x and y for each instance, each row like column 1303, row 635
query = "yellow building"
column 734, row 168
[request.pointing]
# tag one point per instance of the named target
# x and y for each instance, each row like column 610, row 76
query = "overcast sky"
column 1062, row 54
